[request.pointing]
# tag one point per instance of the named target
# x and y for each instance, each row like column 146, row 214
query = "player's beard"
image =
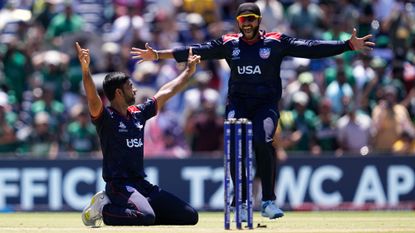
column 129, row 99
column 255, row 31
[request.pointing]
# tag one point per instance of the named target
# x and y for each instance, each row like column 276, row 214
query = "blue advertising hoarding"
column 302, row 183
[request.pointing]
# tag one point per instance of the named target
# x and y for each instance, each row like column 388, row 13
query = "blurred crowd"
column 349, row 104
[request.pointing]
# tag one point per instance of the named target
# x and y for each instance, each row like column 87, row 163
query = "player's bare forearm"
column 173, row 87
column 178, row 84
column 94, row 101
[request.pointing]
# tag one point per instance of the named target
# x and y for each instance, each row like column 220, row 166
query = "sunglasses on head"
column 247, row 18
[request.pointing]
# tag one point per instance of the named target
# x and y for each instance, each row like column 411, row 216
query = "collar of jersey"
column 119, row 114
column 251, row 42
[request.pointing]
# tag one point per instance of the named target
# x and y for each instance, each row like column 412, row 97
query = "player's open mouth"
column 247, row 29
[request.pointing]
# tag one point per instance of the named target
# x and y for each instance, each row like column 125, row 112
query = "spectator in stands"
column 42, row 142
column 272, row 15
column 195, row 97
column 165, row 136
column 305, row 83
column 63, row 23
column 46, row 15
column 305, row 19
column 300, row 122
column 126, row 26
column 52, row 66
column 207, row 9
column 17, row 68
column 347, row 13
column 405, row 145
column 205, row 129
column 326, row 131
column 53, row 107
column 353, row 131
column 371, row 88
column 363, row 73
column 81, row 136
column 399, row 25
column 365, row 17
column 8, row 140
column 338, row 91
column 390, row 121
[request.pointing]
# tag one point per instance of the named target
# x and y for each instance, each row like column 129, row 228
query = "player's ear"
column 118, row 91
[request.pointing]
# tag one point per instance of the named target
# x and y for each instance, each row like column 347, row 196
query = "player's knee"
column 192, row 217
column 147, row 219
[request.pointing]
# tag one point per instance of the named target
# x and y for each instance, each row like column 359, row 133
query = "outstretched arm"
column 94, row 101
column 320, row 48
column 150, row 54
column 178, row 84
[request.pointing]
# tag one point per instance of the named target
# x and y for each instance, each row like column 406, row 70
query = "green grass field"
column 212, row 222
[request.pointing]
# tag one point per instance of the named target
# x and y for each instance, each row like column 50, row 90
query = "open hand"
column 192, row 61
column 83, row 56
column 361, row 43
column 148, row 54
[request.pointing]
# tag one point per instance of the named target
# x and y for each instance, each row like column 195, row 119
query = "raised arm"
column 150, row 54
column 94, row 101
column 179, row 83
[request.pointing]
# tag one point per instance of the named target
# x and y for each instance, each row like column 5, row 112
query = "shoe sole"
column 91, row 203
column 272, row 217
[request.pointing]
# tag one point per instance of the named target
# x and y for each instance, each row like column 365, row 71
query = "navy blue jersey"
column 122, row 140
column 255, row 66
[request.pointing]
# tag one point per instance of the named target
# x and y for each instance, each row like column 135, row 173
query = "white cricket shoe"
column 270, row 210
column 93, row 211
column 244, row 213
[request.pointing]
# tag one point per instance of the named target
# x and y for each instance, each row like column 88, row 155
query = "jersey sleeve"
column 101, row 119
column 208, row 51
column 148, row 109
column 312, row 48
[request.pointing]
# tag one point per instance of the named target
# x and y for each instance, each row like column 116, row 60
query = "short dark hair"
column 113, row 81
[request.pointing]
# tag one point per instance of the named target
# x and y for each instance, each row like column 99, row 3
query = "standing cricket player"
column 254, row 88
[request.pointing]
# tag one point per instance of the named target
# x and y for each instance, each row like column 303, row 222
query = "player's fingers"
column 354, row 32
column 367, row 37
column 190, row 52
column 148, row 47
column 136, row 52
column 369, row 43
column 78, row 47
column 369, row 47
